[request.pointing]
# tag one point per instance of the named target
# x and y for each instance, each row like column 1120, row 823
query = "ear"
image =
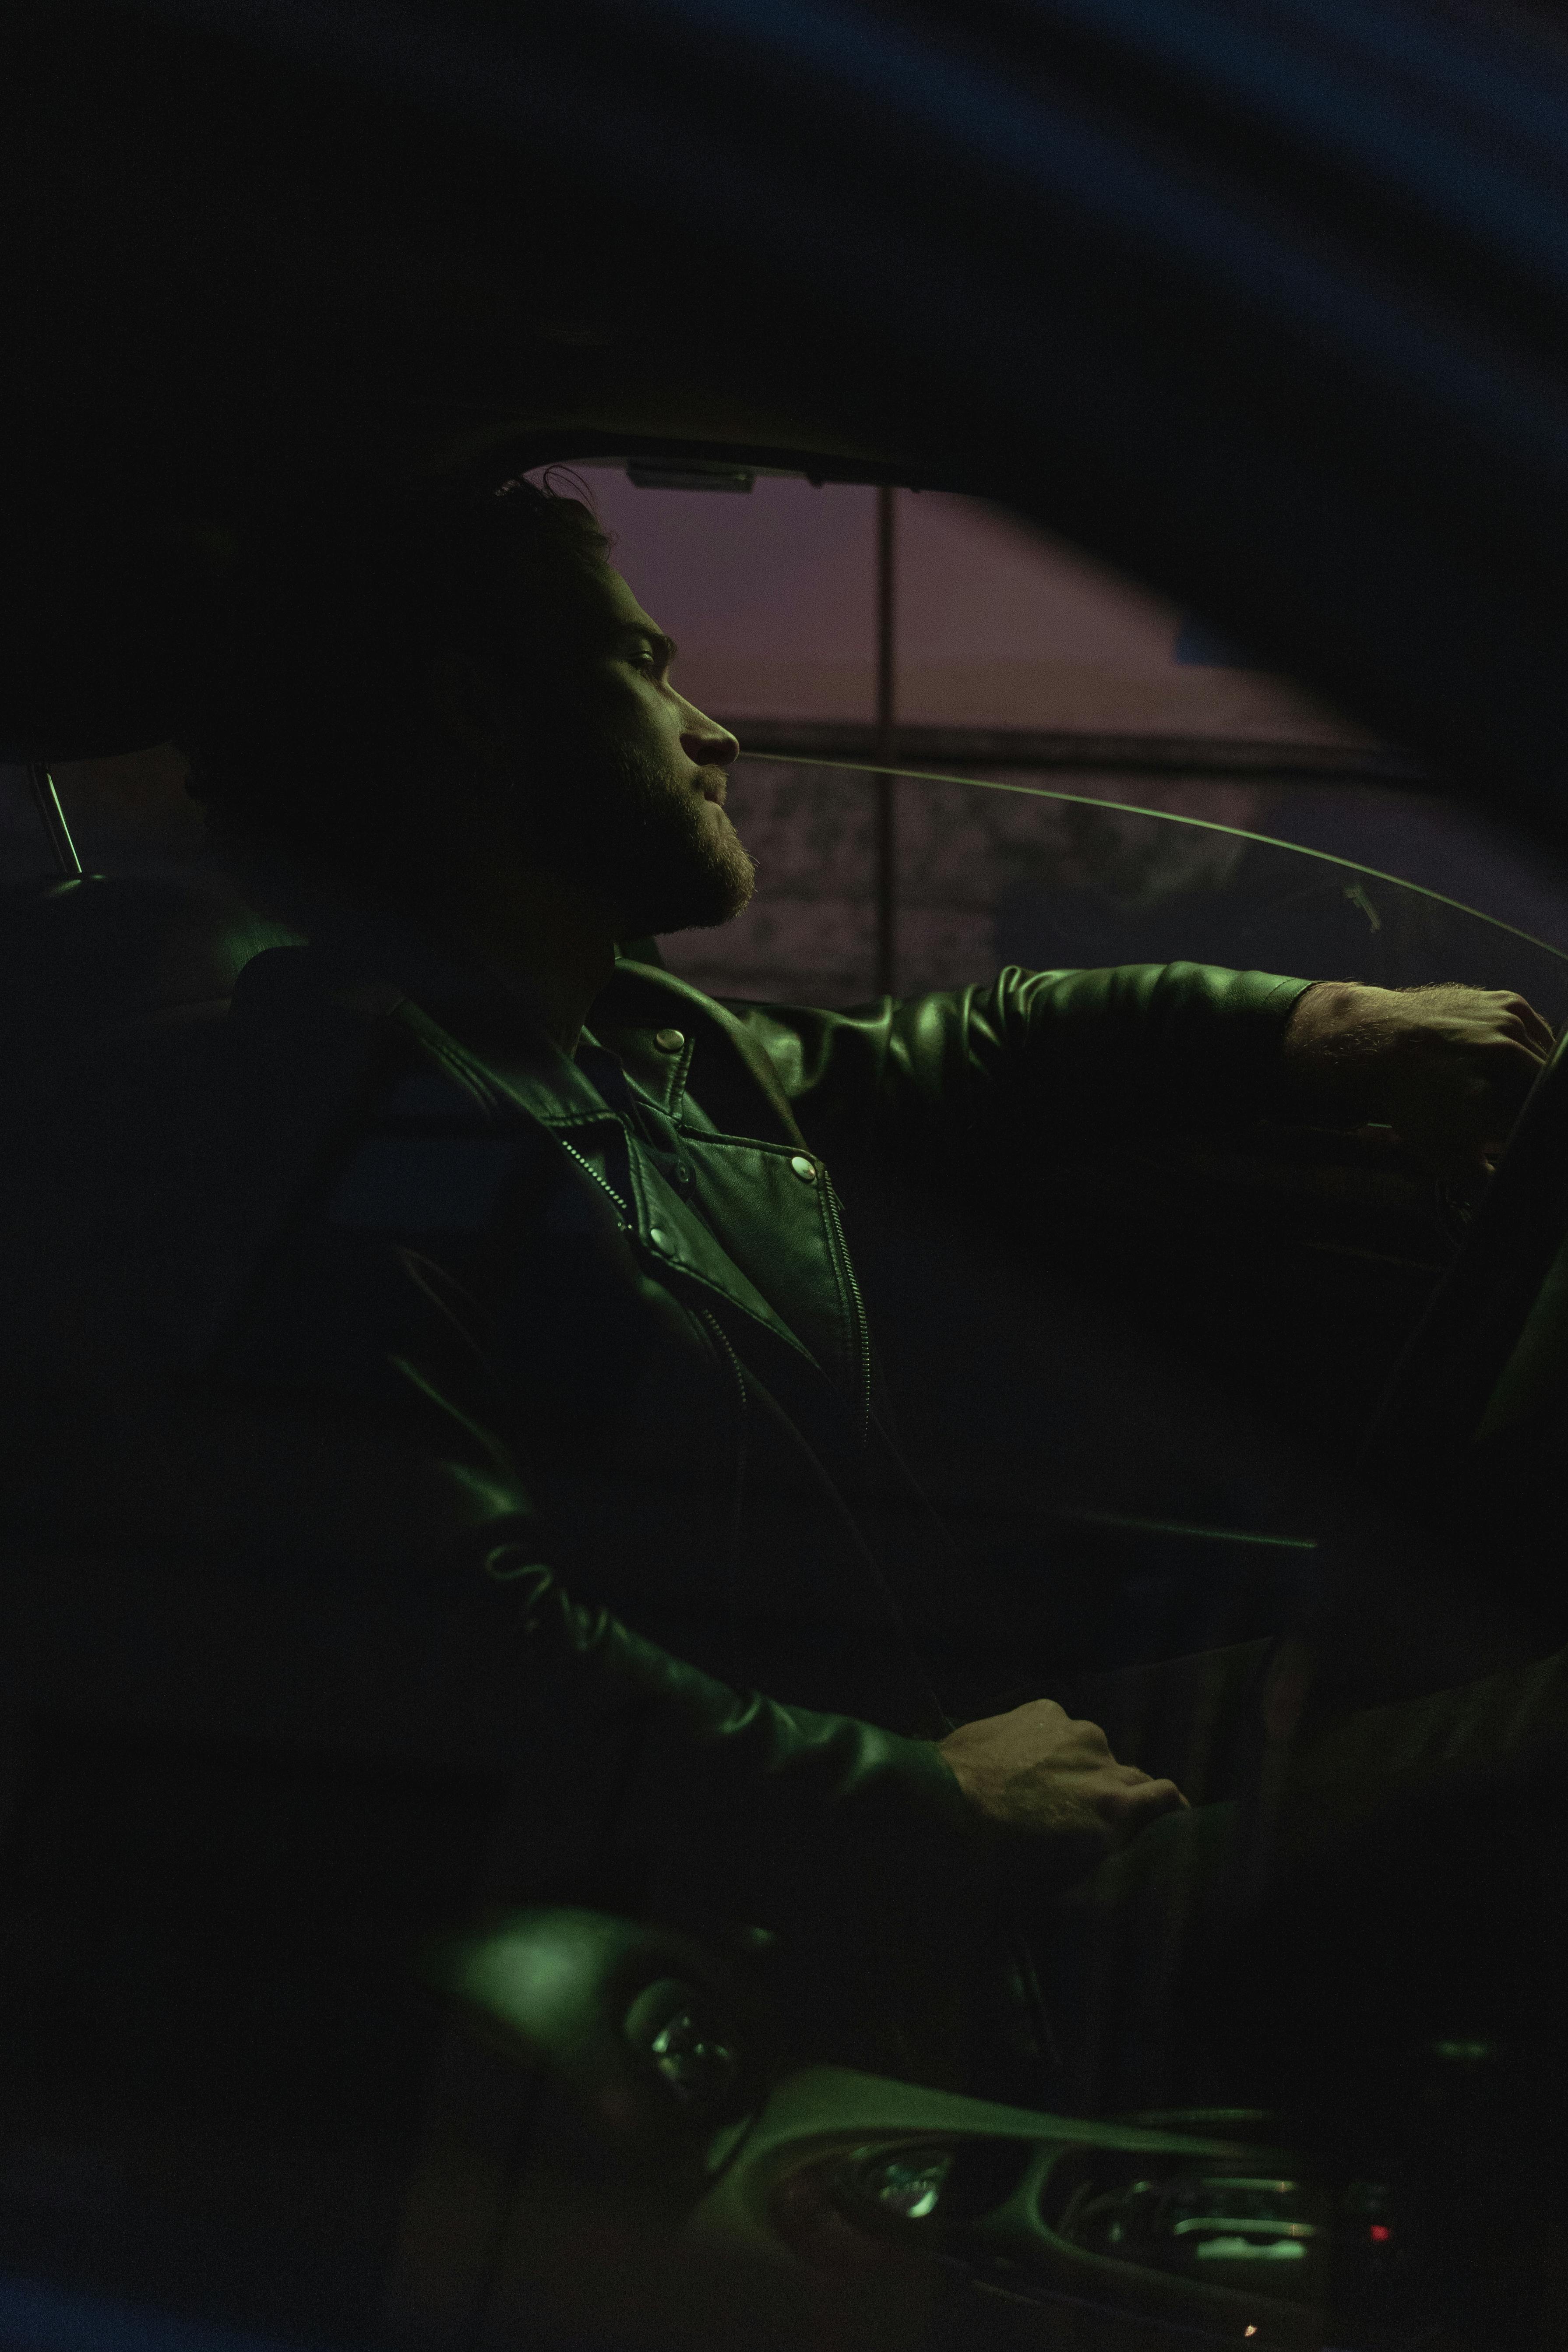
column 465, row 704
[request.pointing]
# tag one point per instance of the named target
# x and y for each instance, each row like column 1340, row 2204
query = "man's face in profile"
column 621, row 791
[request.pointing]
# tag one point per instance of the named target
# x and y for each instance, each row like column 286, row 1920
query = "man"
column 483, row 1255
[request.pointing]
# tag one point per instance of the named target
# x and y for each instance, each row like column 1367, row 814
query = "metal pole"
column 47, row 801
column 887, row 836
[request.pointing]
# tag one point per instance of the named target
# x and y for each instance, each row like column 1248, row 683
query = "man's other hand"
column 1447, row 1068
column 1041, row 1775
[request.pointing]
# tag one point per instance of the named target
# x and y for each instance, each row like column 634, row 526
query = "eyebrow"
column 666, row 646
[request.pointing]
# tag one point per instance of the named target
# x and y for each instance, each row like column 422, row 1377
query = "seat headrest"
column 91, row 957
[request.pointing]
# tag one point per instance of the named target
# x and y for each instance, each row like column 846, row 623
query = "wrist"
column 984, row 1805
column 1329, row 1072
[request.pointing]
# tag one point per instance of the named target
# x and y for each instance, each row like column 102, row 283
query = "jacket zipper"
column 602, row 1182
column 862, row 1327
column 720, row 1339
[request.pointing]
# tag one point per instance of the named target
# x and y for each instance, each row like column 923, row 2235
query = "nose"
column 705, row 743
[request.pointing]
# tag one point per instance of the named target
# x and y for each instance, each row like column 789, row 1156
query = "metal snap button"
column 803, row 1168
column 669, row 1041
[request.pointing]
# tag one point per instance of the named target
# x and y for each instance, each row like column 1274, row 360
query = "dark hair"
column 312, row 734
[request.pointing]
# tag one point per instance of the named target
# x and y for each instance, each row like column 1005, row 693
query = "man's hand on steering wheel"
column 1052, row 1784
column 1447, row 1068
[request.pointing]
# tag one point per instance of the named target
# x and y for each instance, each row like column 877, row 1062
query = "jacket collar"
column 738, row 1081
column 642, row 1005
column 352, row 947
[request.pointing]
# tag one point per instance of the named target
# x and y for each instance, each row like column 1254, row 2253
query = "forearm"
column 795, row 1812
column 1034, row 1056
column 1148, row 1048
column 394, row 1521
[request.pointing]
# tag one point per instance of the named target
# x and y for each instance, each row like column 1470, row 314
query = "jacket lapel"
column 669, row 1237
column 303, row 1066
column 740, row 1089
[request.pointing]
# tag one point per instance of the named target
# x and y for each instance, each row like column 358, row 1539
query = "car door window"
column 1087, row 774
column 1011, row 867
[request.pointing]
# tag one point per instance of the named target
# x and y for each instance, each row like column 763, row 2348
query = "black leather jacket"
column 413, row 1300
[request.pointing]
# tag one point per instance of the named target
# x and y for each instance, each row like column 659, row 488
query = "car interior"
column 278, row 2065
column 237, row 2063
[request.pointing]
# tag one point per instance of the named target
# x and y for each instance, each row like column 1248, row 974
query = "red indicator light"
column 1378, row 2233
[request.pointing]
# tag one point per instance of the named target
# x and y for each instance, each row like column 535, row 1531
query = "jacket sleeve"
column 379, row 1566
column 788, row 1815
column 793, row 1817
column 1034, row 1058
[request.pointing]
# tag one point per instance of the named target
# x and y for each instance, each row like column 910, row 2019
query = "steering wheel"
column 1445, row 1395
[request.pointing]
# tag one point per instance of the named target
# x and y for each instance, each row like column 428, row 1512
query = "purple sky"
column 795, row 565
column 770, row 594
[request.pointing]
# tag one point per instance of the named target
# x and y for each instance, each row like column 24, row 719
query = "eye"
column 649, row 655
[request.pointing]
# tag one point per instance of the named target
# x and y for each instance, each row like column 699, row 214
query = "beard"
column 645, row 844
